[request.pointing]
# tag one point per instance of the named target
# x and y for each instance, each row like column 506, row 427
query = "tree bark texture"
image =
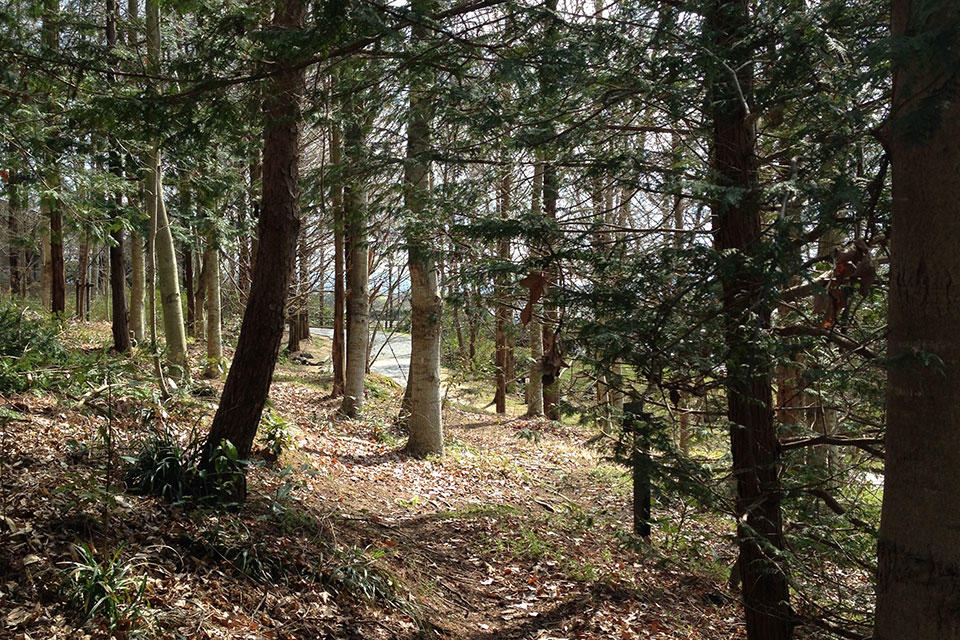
column 248, row 382
column 918, row 590
column 737, row 238
column 424, row 421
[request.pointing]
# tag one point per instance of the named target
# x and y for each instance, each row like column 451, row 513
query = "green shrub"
column 166, row 468
column 275, row 434
column 28, row 345
column 108, row 589
column 163, row 467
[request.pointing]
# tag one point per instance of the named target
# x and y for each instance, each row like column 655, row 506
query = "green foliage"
column 162, row 467
column 275, row 434
column 29, row 345
column 354, row 570
column 108, row 589
column 173, row 470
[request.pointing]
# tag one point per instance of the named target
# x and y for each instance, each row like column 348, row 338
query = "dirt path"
column 518, row 532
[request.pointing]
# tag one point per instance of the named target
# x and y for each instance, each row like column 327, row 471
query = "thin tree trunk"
column 918, row 587
column 83, row 267
column 211, row 268
column 49, row 205
column 737, row 236
column 425, row 421
column 137, row 287
column 339, row 283
column 248, row 382
column 188, row 286
column 358, row 312
column 304, row 262
column 118, row 268
column 165, row 253
column 501, row 313
column 14, row 251
column 535, row 382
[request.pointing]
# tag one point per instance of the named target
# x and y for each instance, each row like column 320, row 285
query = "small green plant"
column 354, row 571
column 29, row 344
column 530, row 435
column 162, row 467
column 107, row 589
column 275, row 434
column 222, row 482
column 165, row 467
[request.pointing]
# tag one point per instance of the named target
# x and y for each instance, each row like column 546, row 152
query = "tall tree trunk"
column 339, row 284
column 166, row 257
column 83, row 267
column 211, row 269
column 304, row 262
column 15, row 207
column 551, row 388
column 137, row 286
column 248, row 382
column 50, row 205
column 918, row 588
column 737, row 237
column 188, row 286
column 535, row 382
column 501, row 313
column 425, row 422
column 118, row 268
column 358, row 311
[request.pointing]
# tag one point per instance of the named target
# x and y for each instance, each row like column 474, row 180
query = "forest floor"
column 521, row 530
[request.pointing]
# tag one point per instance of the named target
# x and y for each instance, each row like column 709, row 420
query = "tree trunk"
column 188, row 286
column 137, row 287
column 551, row 388
column 83, row 267
column 248, row 382
column 501, row 313
column 737, row 237
column 425, row 422
column 211, row 269
column 358, row 312
column 304, row 262
column 339, row 285
column 14, row 251
column 165, row 253
column 167, row 277
column 118, row 267
column 918, row 588
column 50, row 206
column 535, row 382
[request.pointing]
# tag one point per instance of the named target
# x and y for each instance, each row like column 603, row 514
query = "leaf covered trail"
column 519, row 531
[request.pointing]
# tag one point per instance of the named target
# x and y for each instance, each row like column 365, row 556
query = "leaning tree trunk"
column 165, row 253
column 918, row 589
column 737, row 238
column 424, row 420
column 358, row 295
column 248, row 382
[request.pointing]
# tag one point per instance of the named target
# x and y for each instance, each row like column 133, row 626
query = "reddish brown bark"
column 918, row 589
column 737, row 237
column 248, row 381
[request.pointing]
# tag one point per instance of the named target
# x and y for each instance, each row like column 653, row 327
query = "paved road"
column 392, row 358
